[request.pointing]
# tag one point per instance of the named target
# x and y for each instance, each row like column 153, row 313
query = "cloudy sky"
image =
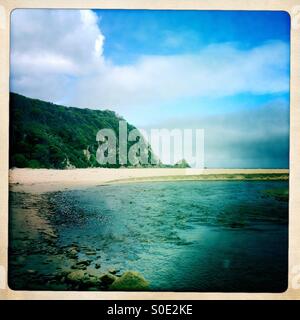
column 225, row 72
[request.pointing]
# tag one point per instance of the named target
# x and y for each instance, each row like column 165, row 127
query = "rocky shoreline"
column 38, row 261
column 75, row 274
column 79, row 278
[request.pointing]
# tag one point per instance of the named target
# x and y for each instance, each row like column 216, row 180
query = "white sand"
column 44, row 180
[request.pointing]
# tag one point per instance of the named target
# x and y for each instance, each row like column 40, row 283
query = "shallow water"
column 181, row 236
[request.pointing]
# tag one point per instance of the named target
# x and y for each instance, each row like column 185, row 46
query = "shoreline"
column 48, row 180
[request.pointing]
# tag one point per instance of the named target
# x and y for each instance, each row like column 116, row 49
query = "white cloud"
column 51, row 50
column 57, row 55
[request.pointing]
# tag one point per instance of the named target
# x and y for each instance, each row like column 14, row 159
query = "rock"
column 91, row 281
column 81, row 265
column 72, row 253
column 130, row 281
column 50, row 234
column 113, row 271
column 84, row 262
column 182, row 164
column 63, row 273
column 107, row 279
column 83, row 280
column 31, row 271
column 97, row 265
column 76, row 276
column 78, row 267
column 74, row 248
column 90, row 253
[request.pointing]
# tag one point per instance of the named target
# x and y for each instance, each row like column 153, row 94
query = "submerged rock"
column 130, row 281
column 90, row 253
column 78, row 266
column 74, row 249
column 72, row 253
column 84, row 262
column 113, row 271
column 50, row 234
column 30, row 271
column 81, row 264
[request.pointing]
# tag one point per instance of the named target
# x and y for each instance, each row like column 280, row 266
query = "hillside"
column 45, row 135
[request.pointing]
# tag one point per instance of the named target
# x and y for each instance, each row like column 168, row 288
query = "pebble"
column 90, row 253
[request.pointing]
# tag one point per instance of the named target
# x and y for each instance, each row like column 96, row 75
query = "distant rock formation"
column 182, row 164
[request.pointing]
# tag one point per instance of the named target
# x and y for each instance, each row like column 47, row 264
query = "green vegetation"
column 45, row 135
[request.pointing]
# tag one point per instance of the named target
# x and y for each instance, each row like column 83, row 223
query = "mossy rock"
column 76, row 276
column 107, row 279
column 91, row 281
column 130, row 281
column 83, row 279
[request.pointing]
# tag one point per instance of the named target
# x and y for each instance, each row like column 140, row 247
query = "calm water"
column 181, row 236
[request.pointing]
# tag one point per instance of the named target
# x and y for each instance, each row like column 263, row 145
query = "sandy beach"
column 45, row 180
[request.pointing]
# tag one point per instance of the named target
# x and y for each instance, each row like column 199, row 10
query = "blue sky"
column 225, row 71
column 147, row 32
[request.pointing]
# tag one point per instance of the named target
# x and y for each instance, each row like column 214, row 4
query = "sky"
column 224, row 71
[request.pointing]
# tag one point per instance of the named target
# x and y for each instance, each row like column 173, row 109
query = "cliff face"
column 45, row 135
